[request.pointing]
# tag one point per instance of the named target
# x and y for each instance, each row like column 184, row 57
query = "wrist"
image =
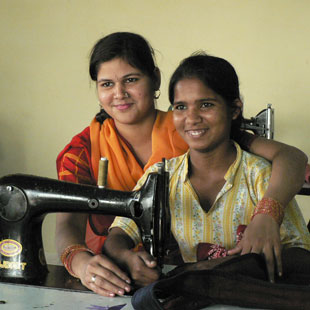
column 124, row 255
column 271, row 207
column 70, row 253
column 79, row 262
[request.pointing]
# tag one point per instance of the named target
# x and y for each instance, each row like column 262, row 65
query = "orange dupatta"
column 124, row 170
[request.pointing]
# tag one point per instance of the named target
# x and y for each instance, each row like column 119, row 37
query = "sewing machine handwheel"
column 13, row 203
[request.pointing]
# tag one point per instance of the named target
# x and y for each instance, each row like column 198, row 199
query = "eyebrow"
column 124, row 77
column 199, row 100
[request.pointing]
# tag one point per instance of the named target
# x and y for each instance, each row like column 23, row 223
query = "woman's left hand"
column 262, row 236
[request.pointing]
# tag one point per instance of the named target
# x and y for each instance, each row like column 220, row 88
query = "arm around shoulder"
column 287, row 177
column 288, row 168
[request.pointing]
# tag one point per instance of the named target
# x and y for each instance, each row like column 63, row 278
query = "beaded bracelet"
column 271, row 207
column 68, row 254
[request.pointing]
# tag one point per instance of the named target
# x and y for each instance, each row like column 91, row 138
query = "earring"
column 156, row 96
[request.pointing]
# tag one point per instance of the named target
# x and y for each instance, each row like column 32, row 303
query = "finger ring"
column 93, row 278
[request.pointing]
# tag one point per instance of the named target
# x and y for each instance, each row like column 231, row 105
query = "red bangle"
column 68, row 254
column 271, row 207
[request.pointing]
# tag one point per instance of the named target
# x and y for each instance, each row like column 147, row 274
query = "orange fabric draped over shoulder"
column 124, row 170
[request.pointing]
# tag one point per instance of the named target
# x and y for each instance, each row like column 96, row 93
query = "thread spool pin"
column 102, row 172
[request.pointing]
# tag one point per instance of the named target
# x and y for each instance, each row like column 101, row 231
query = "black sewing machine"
column 26, row 199
column 262, row 124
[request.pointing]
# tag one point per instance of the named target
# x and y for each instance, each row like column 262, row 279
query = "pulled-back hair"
column 132, row 48
column 217, row 74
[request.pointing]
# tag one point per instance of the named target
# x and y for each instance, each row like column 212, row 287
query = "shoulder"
column 176, row 163
column 252, row 174
column 75, row 158
column 177, row 167
column 81, row 140
column 255, row 159
column 255, row 165
column 172, row 166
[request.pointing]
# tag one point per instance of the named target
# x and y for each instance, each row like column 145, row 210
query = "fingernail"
column 127, row 288
column 128, row 281
column 120, row 292
column 111, row 294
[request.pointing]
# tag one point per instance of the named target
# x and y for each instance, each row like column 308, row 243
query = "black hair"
column 132, row 48
column 217, row 74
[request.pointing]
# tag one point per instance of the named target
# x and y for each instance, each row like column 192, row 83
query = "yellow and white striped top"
column 246, row 182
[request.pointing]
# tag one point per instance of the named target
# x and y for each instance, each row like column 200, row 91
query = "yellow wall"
column 46, row 95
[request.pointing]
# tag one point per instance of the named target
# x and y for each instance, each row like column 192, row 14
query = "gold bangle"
column 271, row 207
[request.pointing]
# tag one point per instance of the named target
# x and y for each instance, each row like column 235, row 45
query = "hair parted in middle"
column 217, row 74
column 132, row 48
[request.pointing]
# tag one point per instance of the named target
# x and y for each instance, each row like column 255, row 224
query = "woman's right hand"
column 99, row 274
column 110, row 280
column 142, row 267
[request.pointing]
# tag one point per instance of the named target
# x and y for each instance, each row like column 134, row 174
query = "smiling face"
column 200, row 115
column 125, row 92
